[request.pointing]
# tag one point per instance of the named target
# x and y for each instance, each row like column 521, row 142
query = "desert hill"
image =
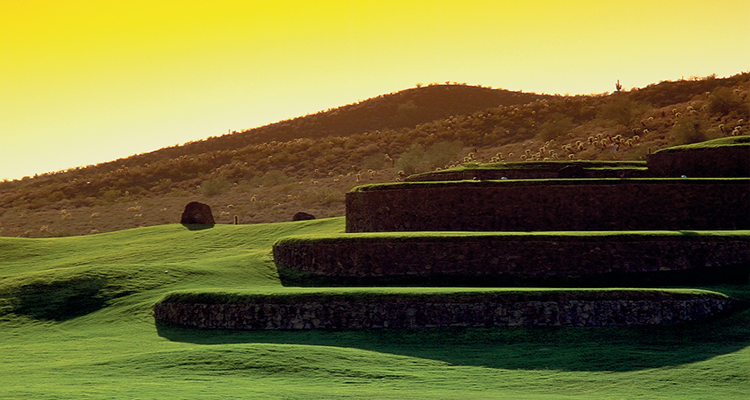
column 403, row 109
column 268, row 173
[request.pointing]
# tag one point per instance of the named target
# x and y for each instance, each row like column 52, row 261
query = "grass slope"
column 76, row 322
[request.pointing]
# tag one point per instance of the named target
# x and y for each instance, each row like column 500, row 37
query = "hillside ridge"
column 402, row 109
column 311, row 161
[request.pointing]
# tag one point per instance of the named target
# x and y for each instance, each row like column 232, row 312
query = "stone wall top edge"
column 467, row 296
column 549, row 183
column 685, row 150
column 551, row 236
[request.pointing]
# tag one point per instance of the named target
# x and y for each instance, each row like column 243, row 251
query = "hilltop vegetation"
column 267, row 174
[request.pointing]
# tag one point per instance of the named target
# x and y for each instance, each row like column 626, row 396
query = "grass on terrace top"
column 729, row 141
column 420, row 236
column 466, row 183
column 553, row 165
column 433, row 294
column 543, row 165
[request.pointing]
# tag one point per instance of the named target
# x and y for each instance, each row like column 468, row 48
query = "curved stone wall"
column 724, row 161
column 512, row 255
column 397, row 312
column 551, row 205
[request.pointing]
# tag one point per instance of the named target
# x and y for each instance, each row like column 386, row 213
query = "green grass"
column 76, row 322
column 545, row 165
column 432, row 294
column 553, row 165
column 729, row 141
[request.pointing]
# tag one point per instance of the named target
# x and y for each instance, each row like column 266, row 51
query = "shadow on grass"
column 60, row 300
column 568, row 349
column 198, row 227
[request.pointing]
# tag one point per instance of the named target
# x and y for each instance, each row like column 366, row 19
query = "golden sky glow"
column 83, row 82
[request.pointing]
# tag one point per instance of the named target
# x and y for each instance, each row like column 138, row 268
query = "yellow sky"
column 83, row 82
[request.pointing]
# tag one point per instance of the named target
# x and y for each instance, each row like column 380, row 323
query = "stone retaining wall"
column 724, row 161
column 551, row 205
column 426, row 314
column 518, row 254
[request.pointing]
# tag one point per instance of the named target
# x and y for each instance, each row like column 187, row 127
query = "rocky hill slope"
column 269, row 173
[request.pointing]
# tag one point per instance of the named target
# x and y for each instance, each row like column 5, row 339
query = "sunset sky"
column 83, row 82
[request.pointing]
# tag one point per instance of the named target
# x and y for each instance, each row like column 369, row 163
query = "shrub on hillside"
column 321, row 196
column 723, row 100
column 688, row 130
column 442, row 153
column 374, row 161
column 270, row 178
column 417, row 159
column 215, row 186
column 407, row 108
column 162, row 186
column 556, row 128
column 412, row 160
column 622, row 110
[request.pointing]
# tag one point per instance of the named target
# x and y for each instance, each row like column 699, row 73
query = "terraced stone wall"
column 728, row 161
column 520, row 255
column 398, row 313
column 551, row 205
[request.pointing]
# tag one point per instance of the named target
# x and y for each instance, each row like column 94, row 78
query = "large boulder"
column 197, row 214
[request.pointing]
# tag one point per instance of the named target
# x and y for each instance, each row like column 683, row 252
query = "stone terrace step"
column 727, row 157
column 367, row 309
column 532, row 259
column 551, row 205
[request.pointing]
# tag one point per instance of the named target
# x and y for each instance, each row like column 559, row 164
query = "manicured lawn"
column 76, row 322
